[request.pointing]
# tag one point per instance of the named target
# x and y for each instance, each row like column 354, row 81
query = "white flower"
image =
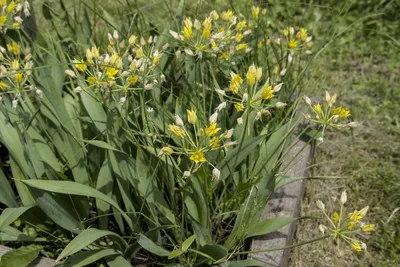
column 343, row 197
column 320, row 205
column 174, row 34
column 179, row 121
column 189, row 52
column 216, row 174
column 186, row 174
column 240, row 121
column 322, row 228
column 78, row 89
column 307, row 99
column 148, row 86
column 248, row 32
column 122, row 100
column 258, row 116
column 18, row 19
column 162, row 78
column 213, row 118
column 149, row 110
column 39, row 93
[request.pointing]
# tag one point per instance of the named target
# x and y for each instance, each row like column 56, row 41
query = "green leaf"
column 100, row 144
column 11, row 234
column 94, row 110
column 73, row 188
column 9, row 215
column 149, row 245
column 269, row 225
column 87, row 257
column 86, row 238
column 20, row 257
column 174, row 254
column 216, row 252
column 6, row 193
column 117, row 261
column 188, row 242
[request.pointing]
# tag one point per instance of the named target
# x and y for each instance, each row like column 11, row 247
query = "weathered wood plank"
column 285, row 202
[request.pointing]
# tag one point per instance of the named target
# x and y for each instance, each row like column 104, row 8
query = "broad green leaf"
column 73, row 188
column 10, row 234
column 20, row 257
column 152, row 247
column 100, row 144
column 6, row 193
column 188, row 242
column 117, row 261
column 94, row 110
column 86, row 238
column 216, row 252
column 9, row 215
column 174, row 254
column 268, row 225
column 105, row 184
column 84, row 258
column 23, row 191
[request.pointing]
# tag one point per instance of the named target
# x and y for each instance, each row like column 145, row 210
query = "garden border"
column 285, row 202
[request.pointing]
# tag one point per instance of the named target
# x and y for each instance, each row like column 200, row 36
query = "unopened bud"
column 229, row 134
column 280, row 105
column 221, row 106
column 78, row 89
column 343, row 197
column 220, row 92
column 213, row 118
column 307, row 99
column 320, row 205
column 216, row 174
column 179, row 121
column 240, row 121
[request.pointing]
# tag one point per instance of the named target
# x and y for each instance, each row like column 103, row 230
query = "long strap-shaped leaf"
column 73, row 188
column 87, row 237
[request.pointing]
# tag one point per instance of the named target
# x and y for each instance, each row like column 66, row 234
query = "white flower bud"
column 320, row 140
column 309, row 38
column 258, row 116
column 15, row 103
column 343, row 197
column 162, row 78
column 18, row 8
column 213, row 118
column 125, row 73
column 150, row 40
column 322, row 228
column 248, row 32
column 110, row 38
column 220, row 92
column 280, row 105
column 216, row 174
column 186, row 174
column 327, row 97
column 363, row 212
column 221, row 106
column 245, row 97
column 188, row 51
column 178, row 121
column 229, row 144
column 1, row 100
column 122, row 100
column 320, row 205
column 229, row 134
column 277, row 87
column 352, row 124
column 165, row 46
column 115, row 35
column 77, row 89
column 363, row 246
column 70, row 73
column 142, row 41
column 308, row 52
column 39, row 93
column 307, row 99
column 148, row 86
column 283, row 72
column 240, row 121
column 18, row 19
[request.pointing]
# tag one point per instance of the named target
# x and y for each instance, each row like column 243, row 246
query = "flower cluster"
column 11, row 14
column 196, row 139
column 251, row 92
column 15, row 71
column 128, row 65
column 222, row 35
column 346, row 227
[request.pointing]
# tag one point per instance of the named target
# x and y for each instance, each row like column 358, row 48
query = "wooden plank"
column 39, row 262
column 285, row 202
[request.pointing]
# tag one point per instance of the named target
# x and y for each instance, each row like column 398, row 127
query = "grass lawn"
column 363, row 70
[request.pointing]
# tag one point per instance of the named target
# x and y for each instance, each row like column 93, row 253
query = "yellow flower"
column 19, row 77
column 214, row 15
column 207, row 23
column 111, row 72
column 335, row 217
column 255, row 11
column 14, row 48
column 187, row 33
column 351, row 225
column 133, row 79
column 251, row 75
column 225, row 56
column 356, row 246
column 91, row 80
column 239, row 107
column 238, row 37
column 287, row 31
column 16, row 25
column 3, row 3
column 214, row 142
column 206, row 33
column 242, row 46
column 192, row 117
column 3, row 86
column 197, row 157
column 267, row 92
column 235, row 83
column 240, row 26
column 15, row 65
column 260, row 44
column 292, row 43
column 188, row 22
column 343, row 113
column 227, row 15
column 2, row 20
column 132, row 39
column 368, row 227
column 80, row 65
column 318, row 109
column 139, row 52
column 275, row 70
column 212, row 129
column 178, row 131
column 156, row 60
column 302, row 34
column 11, row 7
